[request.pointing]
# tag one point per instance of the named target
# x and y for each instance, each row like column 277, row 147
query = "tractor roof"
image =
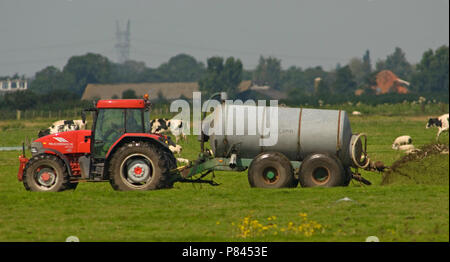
column 121, row 103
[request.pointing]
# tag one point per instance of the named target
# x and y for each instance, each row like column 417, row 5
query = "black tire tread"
column 276, row 157
column 65, row 175
column 340, row 179
column 166, row 161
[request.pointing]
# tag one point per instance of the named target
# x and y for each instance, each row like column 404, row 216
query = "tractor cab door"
column 109, row 126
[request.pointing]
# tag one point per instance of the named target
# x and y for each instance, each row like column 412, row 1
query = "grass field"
column 403, row 211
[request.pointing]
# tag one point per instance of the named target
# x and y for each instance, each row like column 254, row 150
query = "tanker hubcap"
column 321, row 175
column 46, row 177
column 270, row 175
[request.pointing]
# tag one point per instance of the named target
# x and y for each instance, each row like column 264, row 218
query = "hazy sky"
column 37, row 33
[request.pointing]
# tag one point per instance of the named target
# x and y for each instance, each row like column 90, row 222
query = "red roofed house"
column 388, row 82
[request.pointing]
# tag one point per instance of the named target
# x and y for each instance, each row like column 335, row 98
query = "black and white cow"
column 177, row 129
column 164, row 125
column 63, row 126
column 159, row 126
column 441, row 123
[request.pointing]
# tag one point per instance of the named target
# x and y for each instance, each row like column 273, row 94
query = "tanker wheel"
column 141, row 166
column 46, row 172
column 271, row 170
column 323, row 170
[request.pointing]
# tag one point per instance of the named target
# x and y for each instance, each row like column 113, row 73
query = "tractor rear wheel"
column 141, row 166
column 323, row 170
column 271, row 170
column 46, row 172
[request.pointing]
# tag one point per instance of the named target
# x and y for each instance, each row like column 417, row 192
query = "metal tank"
column 301, row 132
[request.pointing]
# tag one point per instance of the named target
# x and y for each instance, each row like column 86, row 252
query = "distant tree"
column 361, row 68
column 432, row 72
column 344, row 83
column 127, row 72
column 247, row 74
column 129, row 94
column 21, row 100
column 268, row 72
column 367, row 63
column 311, row 73
column 181, row 68
column 221, row 76
column 150, row 75
column 357, row 67
column 293, row 79
column 397, row 63
column 50, row 79
column 86, row 69
column 323, row 89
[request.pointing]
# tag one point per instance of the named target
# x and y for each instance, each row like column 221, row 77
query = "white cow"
column 441, row 123
column 63, row 126
column 177, row 129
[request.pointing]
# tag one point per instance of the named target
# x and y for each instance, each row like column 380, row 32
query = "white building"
column 11, row 85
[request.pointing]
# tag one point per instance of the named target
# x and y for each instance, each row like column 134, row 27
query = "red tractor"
column 119, row 149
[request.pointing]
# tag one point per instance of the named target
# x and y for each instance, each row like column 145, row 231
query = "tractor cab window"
column 134, row 121
column 109, row 127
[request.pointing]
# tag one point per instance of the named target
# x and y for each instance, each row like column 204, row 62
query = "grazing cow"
column 159, row 125
column 176, row 128
column 401, row 140
column 164, row 125
column 356, row 113
column 441, row 123
column 63, row 126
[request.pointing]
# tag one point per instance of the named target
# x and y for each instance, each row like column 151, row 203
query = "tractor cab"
column 115, row 118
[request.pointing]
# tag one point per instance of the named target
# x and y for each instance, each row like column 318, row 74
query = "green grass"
column 402, row 211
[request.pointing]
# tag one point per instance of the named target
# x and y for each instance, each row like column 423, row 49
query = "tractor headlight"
column 36, row 148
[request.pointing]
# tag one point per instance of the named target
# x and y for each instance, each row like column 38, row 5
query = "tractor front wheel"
column 141, row 166
column 46, row 172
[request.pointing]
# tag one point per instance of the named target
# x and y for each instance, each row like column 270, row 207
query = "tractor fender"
column 42, row 150
column 153, row 138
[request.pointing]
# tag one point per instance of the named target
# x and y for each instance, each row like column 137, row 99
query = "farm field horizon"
column 414, row 210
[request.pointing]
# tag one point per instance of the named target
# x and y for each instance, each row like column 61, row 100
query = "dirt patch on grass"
column 428, row 165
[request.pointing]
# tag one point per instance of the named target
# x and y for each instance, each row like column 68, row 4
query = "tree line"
column 53, row 88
